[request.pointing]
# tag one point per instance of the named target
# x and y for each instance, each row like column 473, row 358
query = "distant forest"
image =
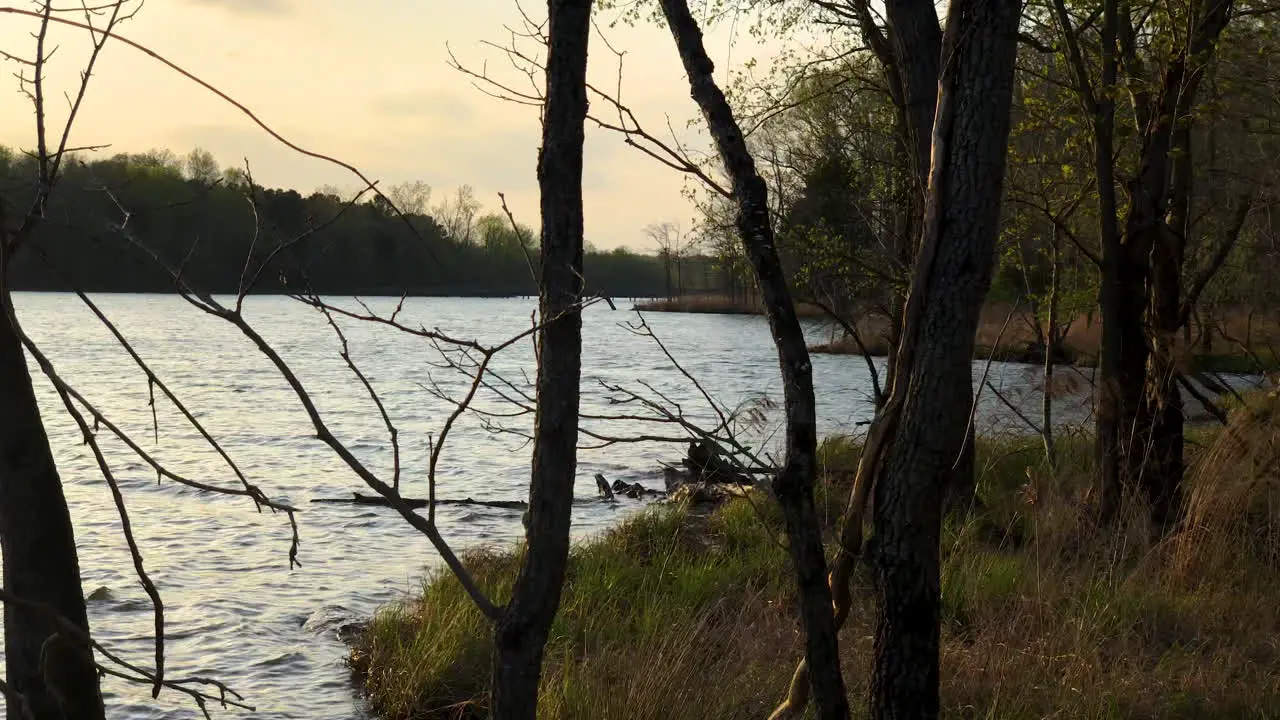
column 110, row 213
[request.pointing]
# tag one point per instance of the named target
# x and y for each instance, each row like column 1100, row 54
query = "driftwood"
column 703, row 466
column 704, row 463
column 635, row 491
column 606, row 492
column 417, row 504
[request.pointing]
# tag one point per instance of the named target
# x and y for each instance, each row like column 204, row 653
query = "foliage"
column 195, row 215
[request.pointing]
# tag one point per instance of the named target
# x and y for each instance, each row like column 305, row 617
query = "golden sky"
column 367, row 81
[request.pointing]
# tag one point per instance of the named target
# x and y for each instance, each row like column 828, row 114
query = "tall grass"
column 676, row 616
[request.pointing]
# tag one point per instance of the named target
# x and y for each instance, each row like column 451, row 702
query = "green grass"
column 672, row 615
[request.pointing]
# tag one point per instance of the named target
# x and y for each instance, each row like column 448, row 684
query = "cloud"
column 250, row 7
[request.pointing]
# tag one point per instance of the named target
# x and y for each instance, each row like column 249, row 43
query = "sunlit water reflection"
column 235, row 610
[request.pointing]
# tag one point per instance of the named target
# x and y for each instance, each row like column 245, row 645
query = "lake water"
column 235, row 610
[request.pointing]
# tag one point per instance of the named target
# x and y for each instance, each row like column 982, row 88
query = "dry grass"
column 1253, row 345
column 670, row 616
column 1012, row 338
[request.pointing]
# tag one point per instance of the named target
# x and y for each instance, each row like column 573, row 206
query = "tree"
column 457, row 214
column 411, row 197
column 40, row 561
column 1159, row 56
column 793, row 484
column 236, row 179
column 953, row 90
column 672, row 246
column 50, row 674
column 202, row 168
column 928, row 415
column 521, row 631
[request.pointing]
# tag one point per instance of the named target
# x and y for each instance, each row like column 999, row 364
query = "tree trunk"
column 953, row 274
column 666, row 269
column 521, row 632
column 1051, row 344
column 917, row 41
column 1161, row 479
column 40, row 562
column 793, row 485
column 1139, row 415
column 1122, row 377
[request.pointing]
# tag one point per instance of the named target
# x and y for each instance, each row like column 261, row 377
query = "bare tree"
column 522, row 630
column 793, row 485
column 672, row 247
column 457, row 214
column 412, row 197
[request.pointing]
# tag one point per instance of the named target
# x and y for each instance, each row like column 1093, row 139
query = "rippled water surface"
column 235, row 610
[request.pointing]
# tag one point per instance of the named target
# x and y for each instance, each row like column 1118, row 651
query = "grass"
column 675, row 616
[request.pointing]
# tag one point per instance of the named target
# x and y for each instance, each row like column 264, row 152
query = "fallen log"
column 635, row 491
column 417, row 504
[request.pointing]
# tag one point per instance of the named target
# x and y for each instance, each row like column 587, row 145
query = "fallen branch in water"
column 417, row 504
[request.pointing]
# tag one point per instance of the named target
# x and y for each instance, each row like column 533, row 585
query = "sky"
column 368, row 81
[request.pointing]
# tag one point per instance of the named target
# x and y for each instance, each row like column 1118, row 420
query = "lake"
column 235, row 610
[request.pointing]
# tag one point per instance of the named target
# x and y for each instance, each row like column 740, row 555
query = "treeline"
column 116, row 223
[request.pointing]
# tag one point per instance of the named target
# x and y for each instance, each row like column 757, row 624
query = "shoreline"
column 1231, row 364
column 1025, row 617
column 1003, row 333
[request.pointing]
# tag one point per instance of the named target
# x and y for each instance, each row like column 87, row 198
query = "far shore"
column 1008, row 334
column 718, row 305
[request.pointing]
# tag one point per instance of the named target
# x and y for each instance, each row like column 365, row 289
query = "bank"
column 1237, row 345
column 680, row 614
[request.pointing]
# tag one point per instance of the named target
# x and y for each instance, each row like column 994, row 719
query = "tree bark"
column 40, row 561
column 1161, row 479
column 521, row 633
column 917, row 42
column 934, row 383
column 793, row 485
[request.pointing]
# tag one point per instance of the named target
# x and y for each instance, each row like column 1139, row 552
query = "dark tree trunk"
column 917, row 50
column 666, row 269
column 934, row 382
column 793, row 485
column 1139, row 443
column 1114, row 367
column 1161, row 479
column 1122, row 376
column 521, row 632
column 917, row 41
column 40, row 562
